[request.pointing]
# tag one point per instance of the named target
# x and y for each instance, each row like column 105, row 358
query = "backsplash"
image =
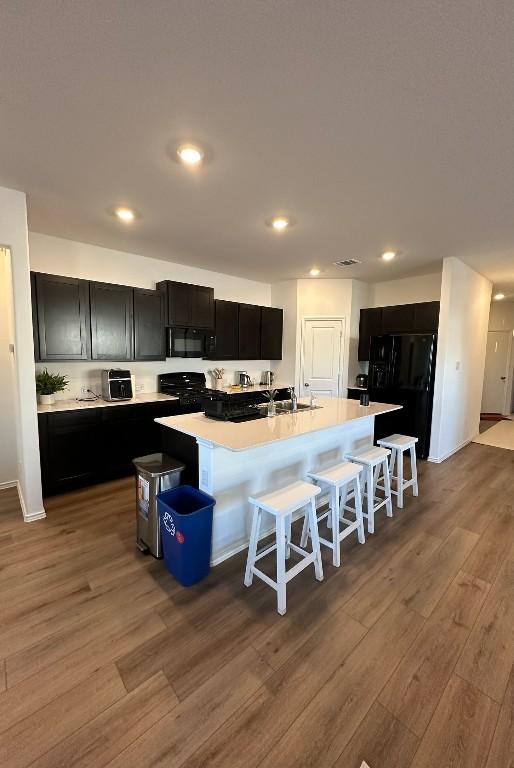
column 89, row 374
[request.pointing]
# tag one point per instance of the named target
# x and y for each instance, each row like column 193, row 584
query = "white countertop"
column 249, row 434
column 79, row 405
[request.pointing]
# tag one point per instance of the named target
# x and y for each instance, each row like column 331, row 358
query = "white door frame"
column 340, row 374
column 509, row 383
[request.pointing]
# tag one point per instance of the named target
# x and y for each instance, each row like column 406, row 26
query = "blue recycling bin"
column 185, row 514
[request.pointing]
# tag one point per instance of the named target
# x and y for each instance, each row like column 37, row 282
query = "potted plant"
column 47, row 384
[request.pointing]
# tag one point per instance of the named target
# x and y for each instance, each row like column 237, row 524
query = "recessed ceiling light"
column 499, row 296
column 280, row 223
column 190, row 155
column 314, row 272
column 125, row 214
column 388, row 255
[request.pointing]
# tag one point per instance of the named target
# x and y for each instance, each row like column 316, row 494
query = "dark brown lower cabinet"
column 84, row 447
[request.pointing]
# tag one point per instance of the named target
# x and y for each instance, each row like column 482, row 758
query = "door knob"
column 306, row 384
column 502, row 378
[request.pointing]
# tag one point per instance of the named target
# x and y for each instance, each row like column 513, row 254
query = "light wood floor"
column 402, row 657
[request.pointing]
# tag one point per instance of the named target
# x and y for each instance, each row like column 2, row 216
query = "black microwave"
column 189, row 342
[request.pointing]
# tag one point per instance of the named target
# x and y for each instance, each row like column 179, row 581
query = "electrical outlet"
column 139, row 387
column 84, row 390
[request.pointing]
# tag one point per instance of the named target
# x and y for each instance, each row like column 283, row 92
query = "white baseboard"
column 29, row 517
column 439, row 460
column 9, row 484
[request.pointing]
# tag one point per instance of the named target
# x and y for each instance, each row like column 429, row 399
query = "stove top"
column 189, row 387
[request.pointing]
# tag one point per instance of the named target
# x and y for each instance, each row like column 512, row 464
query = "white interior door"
column 322, row 357
column 496, row 371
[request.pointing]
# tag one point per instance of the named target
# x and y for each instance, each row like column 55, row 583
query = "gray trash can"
column 154, row 473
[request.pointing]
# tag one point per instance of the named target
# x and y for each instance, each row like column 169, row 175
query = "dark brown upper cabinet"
column 370, row 325
column 188, row 306
column 111, row 322
column 249, row 328
column 149, row 332
column 61, row 318
column 426, row 316
column 226, row 314
column 403, row 318
column 272, row 321
column 398, row 319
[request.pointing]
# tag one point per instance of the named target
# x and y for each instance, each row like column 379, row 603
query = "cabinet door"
column 202, row 311
column 62, row 312
column 72, row 446
column 149, row 333
column 111, row 322
column 226, row 327
column 399, row 319
column 125, row 434
column 180, row 304
column 426, row 316
column 272, row 321
column 370, row 325
column 249, row 332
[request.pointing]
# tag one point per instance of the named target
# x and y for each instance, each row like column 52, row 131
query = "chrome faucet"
column 294, row 399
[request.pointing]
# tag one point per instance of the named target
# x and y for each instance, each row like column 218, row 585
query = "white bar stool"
column 398, row 444
column 375, row 461
column 335, row 481
column 282, row 503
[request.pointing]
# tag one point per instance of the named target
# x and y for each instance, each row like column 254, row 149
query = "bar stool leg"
column 370, row 499
column 399, row 479
column 313, row 523
column 252, row 549
column 281, row 564
column 387, row 489
column 334, row 510
column 358, row 511
column 392, row 463
column 414, row 470
column 289, row 522
column 305, row 532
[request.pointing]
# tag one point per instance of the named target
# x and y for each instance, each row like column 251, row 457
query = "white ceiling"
column 376, row 124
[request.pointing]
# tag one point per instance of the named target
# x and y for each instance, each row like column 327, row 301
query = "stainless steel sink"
column 287, row 407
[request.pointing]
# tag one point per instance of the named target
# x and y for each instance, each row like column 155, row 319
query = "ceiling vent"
column 346, row 263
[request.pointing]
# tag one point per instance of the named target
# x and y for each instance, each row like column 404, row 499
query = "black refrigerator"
column 401, row 371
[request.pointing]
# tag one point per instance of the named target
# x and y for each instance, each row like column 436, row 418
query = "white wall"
column 360, row 299
column 326, row 298
column 501, row 317
column 67, row 257
column 285, row 294
column 14, row 235
column 319, row 298
column 407, row 290
column 8, row 442
column 463, row 325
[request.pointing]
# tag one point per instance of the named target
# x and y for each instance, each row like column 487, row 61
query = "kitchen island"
column 238, row 460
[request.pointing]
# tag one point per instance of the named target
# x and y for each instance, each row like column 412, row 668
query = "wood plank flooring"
column 403, row 657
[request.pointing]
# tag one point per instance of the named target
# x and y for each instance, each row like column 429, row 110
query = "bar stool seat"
column 398, row 444
column 335, row 481
column 375, row 462
column 282, row 503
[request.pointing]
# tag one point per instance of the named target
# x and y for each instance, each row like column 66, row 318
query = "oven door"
column 186, row 342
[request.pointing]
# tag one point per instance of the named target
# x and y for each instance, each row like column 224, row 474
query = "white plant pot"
column 46, row 399
column 218, row 383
